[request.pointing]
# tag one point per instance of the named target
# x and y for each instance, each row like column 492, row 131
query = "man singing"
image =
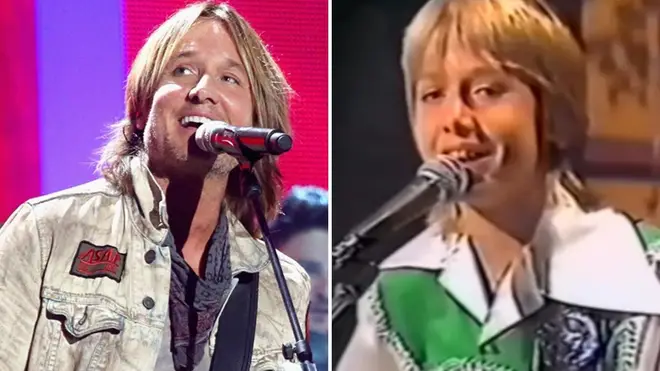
column 158, row 265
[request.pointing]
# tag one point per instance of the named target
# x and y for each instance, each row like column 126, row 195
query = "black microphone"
column 220, row 137
column 436, row 182
column 443, row 181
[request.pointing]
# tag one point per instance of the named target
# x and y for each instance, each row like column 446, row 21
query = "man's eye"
column 230, row 79
column 183, row 71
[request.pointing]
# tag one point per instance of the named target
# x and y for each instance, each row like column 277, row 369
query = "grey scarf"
column 195, row 302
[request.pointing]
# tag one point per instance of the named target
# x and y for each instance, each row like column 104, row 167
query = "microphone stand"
column 345, row 296
column 251, row 189
column 364, row 271
column 370, row 232
column 435, row 182
column 355, row 262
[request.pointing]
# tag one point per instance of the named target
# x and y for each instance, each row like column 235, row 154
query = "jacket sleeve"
column 20, row 282
column 365, row 351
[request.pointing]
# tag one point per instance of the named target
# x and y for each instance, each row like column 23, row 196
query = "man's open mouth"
column 194, row 121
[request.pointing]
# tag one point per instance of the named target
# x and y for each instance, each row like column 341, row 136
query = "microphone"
column 436, row 182
column 220, row 137
column 443, row 181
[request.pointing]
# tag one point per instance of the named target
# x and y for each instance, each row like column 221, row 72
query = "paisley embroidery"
column 470, row 364
column 386, row 334
column 653, row 258
column 569, row 342
column 624, row 346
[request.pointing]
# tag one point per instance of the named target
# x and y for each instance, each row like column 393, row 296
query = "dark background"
column 373, row 155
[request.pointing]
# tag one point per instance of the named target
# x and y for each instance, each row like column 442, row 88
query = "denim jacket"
column 85, row 275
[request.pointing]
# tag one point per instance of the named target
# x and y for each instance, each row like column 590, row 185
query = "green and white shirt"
column 585, row 296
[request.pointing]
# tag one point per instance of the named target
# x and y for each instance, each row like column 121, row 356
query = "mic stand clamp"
column 345, row 296
column 251, row 189
column 345, row 251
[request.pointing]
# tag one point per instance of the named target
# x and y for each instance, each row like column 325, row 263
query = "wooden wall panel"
column 623, row 43
column 637, row 199
column 622, row 38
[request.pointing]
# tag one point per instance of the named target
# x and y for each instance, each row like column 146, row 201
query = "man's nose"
column 204, row 92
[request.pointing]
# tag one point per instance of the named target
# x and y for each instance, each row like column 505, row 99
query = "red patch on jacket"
column 93, row 261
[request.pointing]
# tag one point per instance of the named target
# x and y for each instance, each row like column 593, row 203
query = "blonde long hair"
column 525, row 38
column 270, row 92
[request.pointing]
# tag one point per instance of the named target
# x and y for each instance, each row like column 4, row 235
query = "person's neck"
column 193, row 208
column 501, row 232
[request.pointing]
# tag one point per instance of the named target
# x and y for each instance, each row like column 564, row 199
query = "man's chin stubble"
column 223, row 165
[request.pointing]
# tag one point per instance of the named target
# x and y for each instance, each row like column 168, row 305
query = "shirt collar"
column 594, row 260
column 246, row 253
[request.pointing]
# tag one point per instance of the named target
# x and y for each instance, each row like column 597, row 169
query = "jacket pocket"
column 80, row 320
column 81, row 336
